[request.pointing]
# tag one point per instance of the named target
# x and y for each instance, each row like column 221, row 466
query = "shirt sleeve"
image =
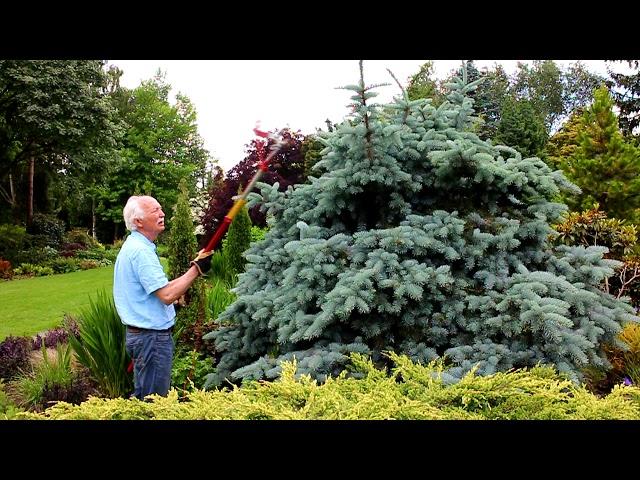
column 149, row 270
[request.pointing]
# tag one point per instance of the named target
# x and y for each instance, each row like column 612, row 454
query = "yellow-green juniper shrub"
column 408, row 391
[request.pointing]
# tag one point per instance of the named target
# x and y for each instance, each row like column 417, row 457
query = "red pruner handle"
column 222, row 229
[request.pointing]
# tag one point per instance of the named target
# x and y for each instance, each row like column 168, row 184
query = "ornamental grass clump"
column 100, row 346
column 50, row 380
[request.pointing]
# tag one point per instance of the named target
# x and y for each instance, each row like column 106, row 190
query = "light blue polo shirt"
column 136, row 275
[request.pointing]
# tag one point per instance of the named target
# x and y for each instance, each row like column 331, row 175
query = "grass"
column 34, row 305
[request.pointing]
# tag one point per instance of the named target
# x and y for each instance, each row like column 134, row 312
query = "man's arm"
column 177, row 287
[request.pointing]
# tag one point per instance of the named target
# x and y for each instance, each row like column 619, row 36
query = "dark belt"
column 141, row 330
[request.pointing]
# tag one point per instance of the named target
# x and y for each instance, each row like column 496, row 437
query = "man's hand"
column 202, row 261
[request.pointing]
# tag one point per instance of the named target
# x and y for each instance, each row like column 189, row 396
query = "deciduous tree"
column 160, row 147
column 626, row 94
column 51, row 112
column 286, row 168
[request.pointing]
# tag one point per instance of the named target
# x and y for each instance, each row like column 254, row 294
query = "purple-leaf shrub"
column 56, row 335
column 286, row 168
column 14, row 356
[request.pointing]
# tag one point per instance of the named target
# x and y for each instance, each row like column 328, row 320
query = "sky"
column 231, row 96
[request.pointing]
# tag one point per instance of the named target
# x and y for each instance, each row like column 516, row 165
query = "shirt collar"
column 144, row 239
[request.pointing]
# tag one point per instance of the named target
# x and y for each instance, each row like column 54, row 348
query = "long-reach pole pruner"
column 239, row 203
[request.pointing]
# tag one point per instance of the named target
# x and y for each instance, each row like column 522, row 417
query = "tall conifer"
column 605, row 165
column 237, row 241
column 422, row 239
column 182, row 249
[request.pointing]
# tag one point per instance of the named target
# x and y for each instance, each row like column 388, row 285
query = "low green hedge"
column 410, row 391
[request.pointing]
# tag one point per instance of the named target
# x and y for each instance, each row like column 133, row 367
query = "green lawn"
column 34, row 305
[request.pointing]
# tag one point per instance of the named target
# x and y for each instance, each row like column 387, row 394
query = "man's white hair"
column 132, row 211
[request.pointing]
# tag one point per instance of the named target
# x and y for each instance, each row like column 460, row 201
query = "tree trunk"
column 93, row 218
column 10, row 197
column 15, row 213
column 12, row 192
column 32, row 167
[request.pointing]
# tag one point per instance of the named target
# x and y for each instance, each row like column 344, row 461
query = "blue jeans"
column 152, row 354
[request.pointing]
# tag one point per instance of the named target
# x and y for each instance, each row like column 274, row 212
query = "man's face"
column 153, row 222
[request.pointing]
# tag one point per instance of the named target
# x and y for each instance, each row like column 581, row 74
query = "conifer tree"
column 421, row 239
column 311, row 149
column 564, row 142
column 237, row 241
column 605, row 166
column 626, row 93
column 487, row 98
column 521, row 127
column 182, row 249
column 182, row 241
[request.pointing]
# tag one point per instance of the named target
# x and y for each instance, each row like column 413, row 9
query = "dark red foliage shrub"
column 5, row 269
column 70, row 249
column 56, row 335
column 286, row 168
column 14, row 356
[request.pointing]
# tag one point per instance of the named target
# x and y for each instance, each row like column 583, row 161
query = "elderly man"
column 144, row 296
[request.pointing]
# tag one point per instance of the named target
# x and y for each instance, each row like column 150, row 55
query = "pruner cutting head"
column 278, row 141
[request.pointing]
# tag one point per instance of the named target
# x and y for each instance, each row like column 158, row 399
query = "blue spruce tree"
column 421, row 239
